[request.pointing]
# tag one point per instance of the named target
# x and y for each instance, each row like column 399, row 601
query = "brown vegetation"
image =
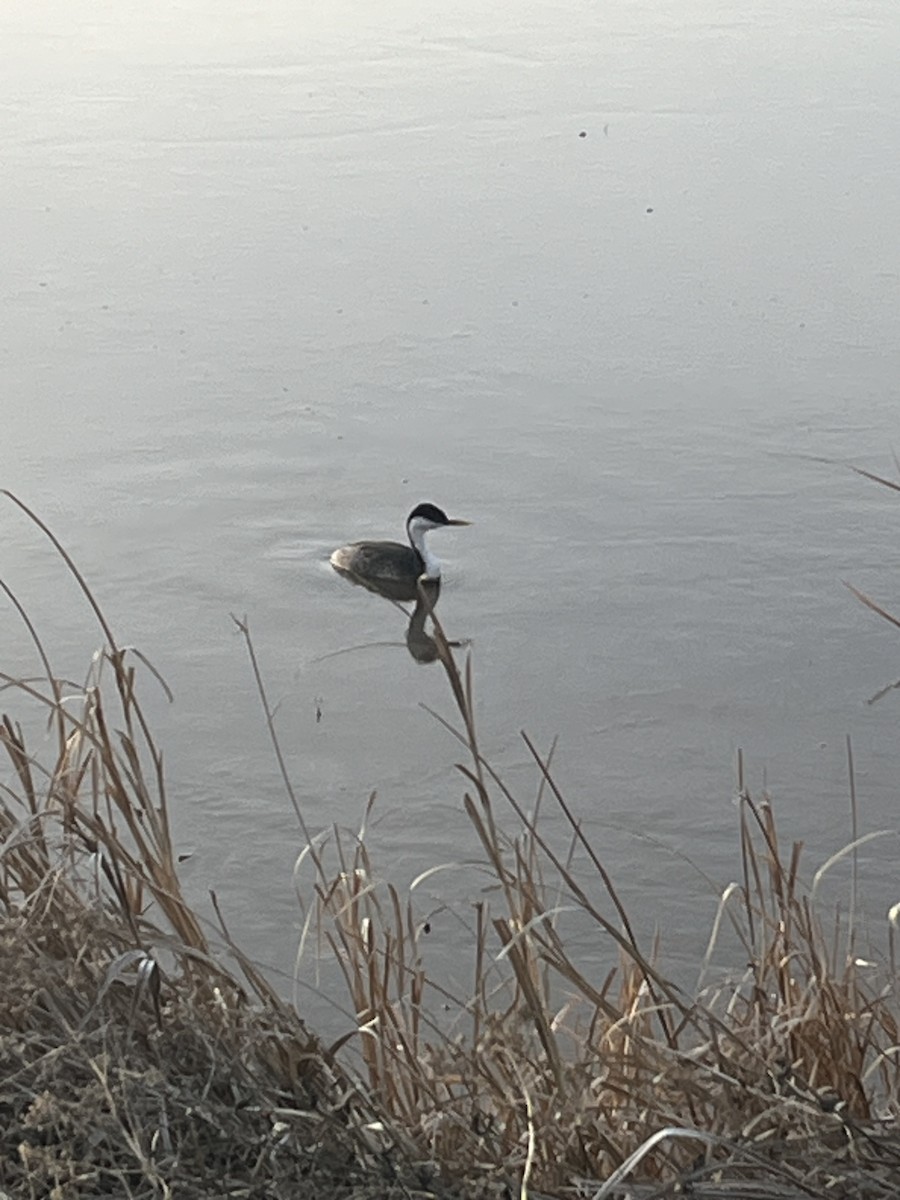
column 144, row 1056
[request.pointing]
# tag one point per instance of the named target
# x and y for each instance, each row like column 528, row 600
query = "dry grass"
column 142, row 1055
column 783, row 1081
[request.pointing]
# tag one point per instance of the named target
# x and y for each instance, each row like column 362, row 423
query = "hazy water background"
column 273, row 275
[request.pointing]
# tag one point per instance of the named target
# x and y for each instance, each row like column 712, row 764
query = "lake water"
column 605, row 279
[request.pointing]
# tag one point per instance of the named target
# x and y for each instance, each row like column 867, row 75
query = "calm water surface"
column 602, row 278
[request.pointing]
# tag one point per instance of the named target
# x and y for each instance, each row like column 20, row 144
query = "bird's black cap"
column 429, row 512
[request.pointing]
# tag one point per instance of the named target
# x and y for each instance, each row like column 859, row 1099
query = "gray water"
column 605, row 279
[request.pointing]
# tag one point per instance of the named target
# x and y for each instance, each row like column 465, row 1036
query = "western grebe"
column 391, row 569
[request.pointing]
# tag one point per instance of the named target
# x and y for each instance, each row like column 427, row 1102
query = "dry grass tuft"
column 783, row 1081
column 134, row 1061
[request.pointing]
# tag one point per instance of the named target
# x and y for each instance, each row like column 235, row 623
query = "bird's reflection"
column 419, row 642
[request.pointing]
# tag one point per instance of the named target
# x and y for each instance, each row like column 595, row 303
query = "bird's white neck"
column 417, row 528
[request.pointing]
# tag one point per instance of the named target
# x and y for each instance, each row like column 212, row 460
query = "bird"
column 392, row 569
